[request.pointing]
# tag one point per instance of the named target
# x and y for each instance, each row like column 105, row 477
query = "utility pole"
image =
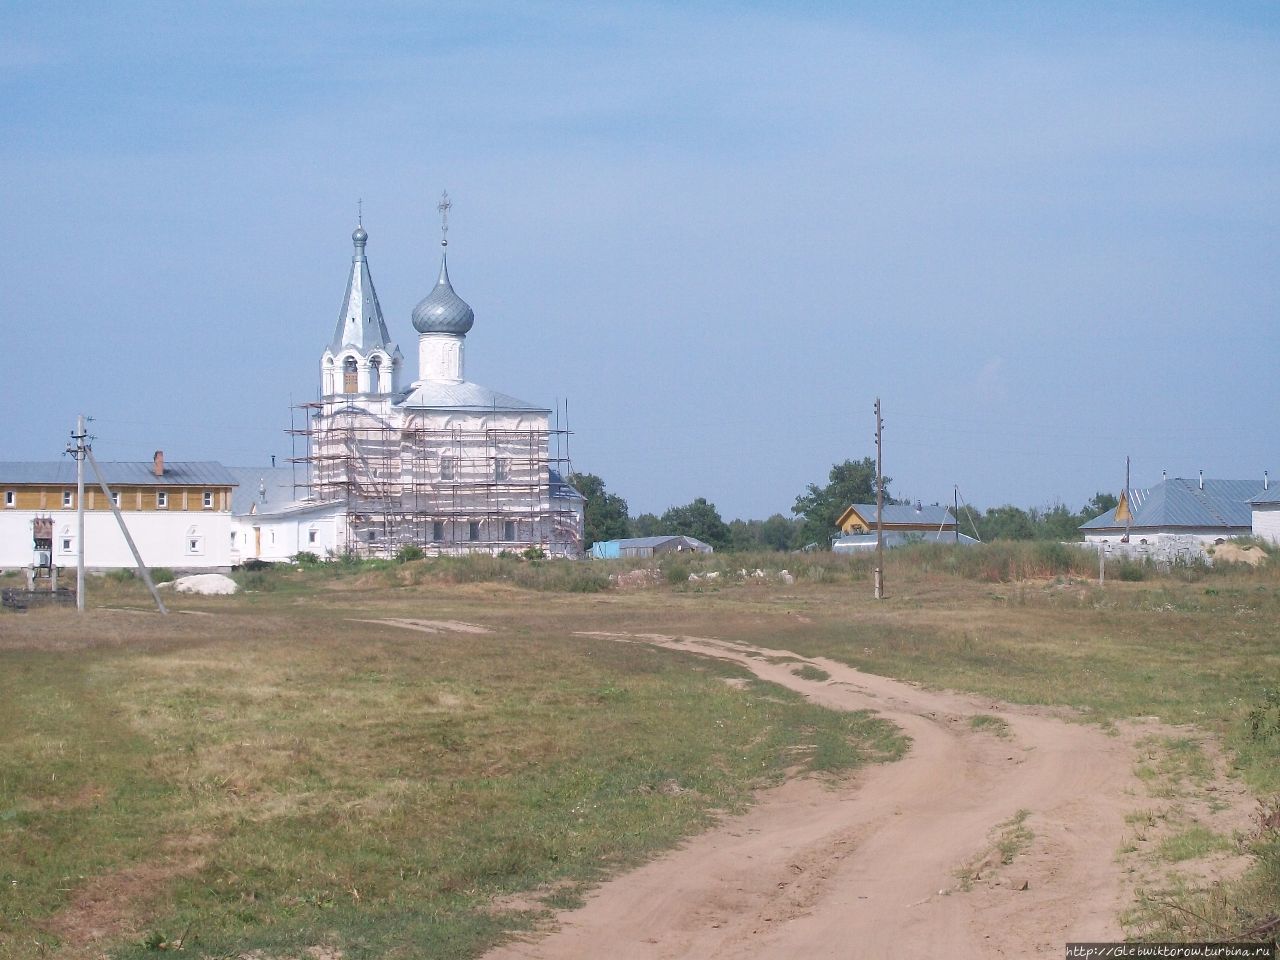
column 1128, row 520
column 77, row 450
column 879, row 503
column 133, row 547
column 955, row 499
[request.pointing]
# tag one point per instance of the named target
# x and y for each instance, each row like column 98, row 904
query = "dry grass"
column 375, row 787
column 355, row 783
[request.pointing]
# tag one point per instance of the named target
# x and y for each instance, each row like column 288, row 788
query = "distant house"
column 647, row 547
column 1265, row 508
column 866, row 542
column 1194, row 510
column 898, row 518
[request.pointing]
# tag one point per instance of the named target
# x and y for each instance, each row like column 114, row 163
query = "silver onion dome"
column 442, row 310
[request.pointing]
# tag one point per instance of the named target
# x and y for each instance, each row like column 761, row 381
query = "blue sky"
column 1045, row 235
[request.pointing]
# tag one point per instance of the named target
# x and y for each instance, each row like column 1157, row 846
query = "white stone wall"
column 1266, row 521
column 1204, row 536
column 180, row 540
column 441, row 357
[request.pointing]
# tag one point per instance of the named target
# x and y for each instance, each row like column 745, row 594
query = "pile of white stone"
column 205, row 584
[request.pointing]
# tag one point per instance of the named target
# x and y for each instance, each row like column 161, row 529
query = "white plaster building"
column 442, row 463
column 1266, row 513
column 179, row 514
column 269, row 522
column 1188, row 511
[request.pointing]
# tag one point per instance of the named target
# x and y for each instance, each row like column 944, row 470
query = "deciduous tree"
column 605, row 514
column 853, row 481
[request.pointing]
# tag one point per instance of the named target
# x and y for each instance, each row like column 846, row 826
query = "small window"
column 66, row 544
column 68, row 500
column 446, row 468
column 195, row 545
column 501, row 469
column 473, row 530
column 115, row 498
column 208, row 499
column 162, row 499
column 437, row 531
column 10, row 498
column 508, row 530
column 311, row 536
column 233, row 538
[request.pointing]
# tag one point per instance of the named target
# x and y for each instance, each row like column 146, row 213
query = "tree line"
column 814, row 515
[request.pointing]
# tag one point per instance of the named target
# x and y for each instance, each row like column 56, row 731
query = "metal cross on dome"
column 443, row 206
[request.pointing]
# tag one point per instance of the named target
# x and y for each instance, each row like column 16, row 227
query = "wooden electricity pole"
column 77, row 450
column 879, row 503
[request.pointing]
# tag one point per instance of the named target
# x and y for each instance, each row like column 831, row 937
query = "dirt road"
column 903, row 861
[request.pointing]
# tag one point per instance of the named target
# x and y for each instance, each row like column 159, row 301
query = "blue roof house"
column 1210, row 511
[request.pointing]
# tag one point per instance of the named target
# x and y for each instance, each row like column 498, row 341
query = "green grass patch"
column 986, row 723
column 809, row 672
column 1014, row 836
column 1191, row 844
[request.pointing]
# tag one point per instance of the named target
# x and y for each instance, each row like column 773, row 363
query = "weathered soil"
column 899, row 861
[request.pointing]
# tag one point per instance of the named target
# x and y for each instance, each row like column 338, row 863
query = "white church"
column 441, row 463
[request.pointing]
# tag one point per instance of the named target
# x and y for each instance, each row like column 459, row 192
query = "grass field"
column 270, row 772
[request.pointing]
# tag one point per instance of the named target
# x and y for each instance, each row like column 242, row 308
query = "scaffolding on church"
column 450, row 490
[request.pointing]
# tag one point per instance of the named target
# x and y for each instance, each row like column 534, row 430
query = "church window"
column 195, row 542
column 350, row 376
column 66, row 544
column 501, row 469
column 311, row 535
column 473, row 530
column 437, row 531
column 375, row 375
column 508, row 530
column 446, row 468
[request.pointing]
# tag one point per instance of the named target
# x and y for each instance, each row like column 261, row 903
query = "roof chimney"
column 1201, row 479
column 157, row 463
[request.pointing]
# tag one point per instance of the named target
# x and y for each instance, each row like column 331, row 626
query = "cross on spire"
column 360, row 212
column 443, row 206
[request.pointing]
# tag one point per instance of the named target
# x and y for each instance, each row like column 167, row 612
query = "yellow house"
column 898, row 518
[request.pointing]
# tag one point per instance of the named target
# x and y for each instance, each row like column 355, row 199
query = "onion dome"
column 442, row 310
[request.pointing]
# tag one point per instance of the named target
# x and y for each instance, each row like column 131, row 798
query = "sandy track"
column 870, row 868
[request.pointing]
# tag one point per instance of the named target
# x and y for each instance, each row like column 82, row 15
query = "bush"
column 534, row 553
column 122, row 575
column 306, row 559
column 162, row 575
column 409, row 552
column 256, row 581
column 1131, row 571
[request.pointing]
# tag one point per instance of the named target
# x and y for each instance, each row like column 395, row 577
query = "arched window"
column 375, row 375
column 350, row 376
